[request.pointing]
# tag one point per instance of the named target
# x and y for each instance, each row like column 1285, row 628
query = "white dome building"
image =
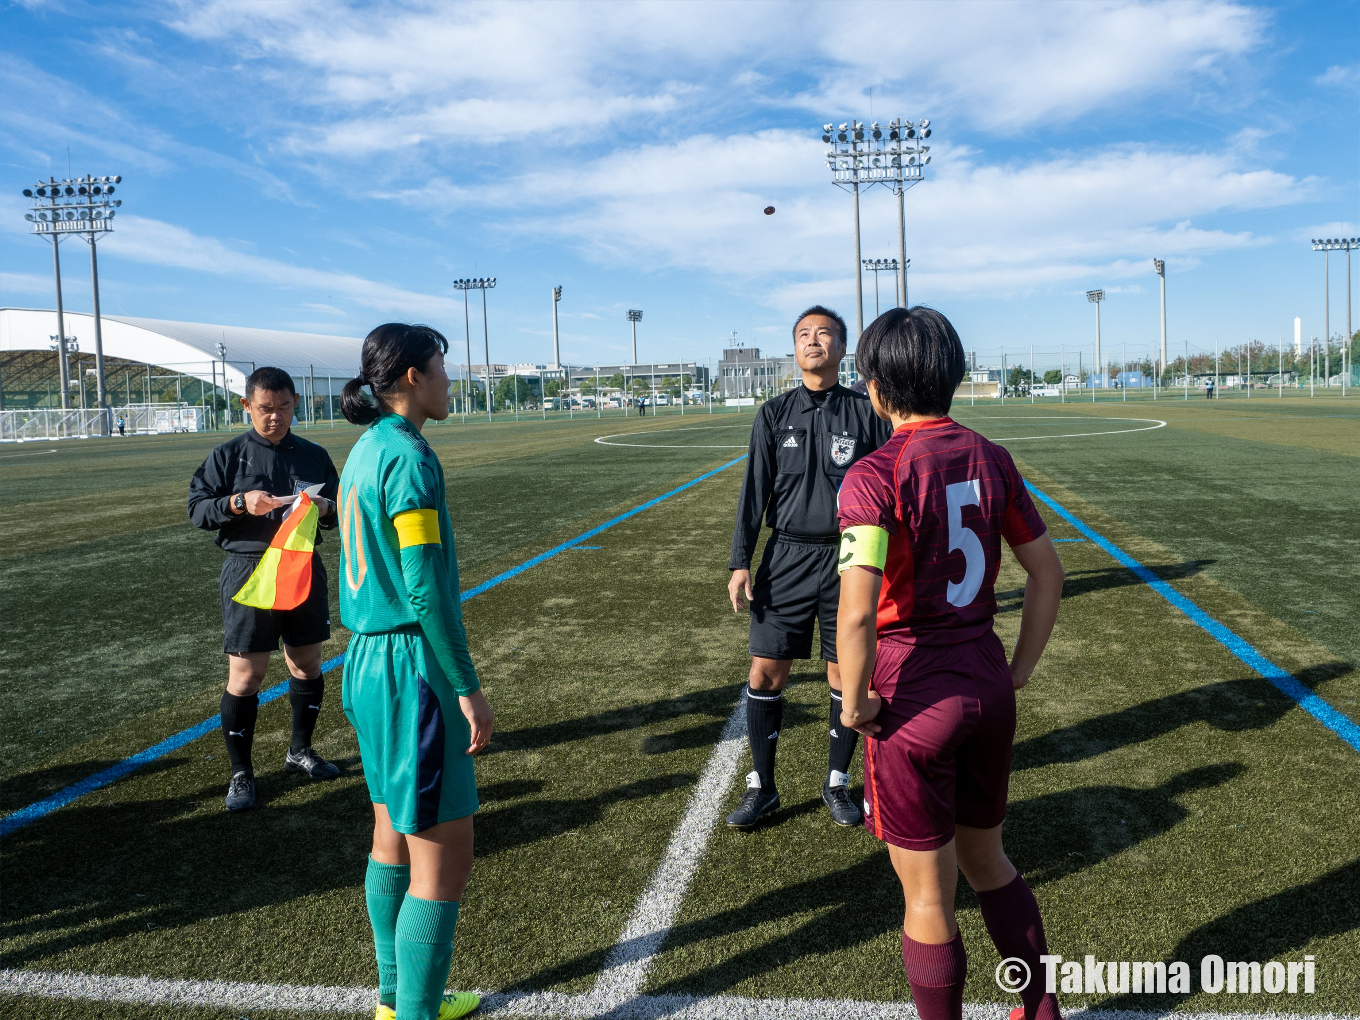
column 156, row 363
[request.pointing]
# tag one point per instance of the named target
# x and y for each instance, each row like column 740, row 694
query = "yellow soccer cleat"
column 451, row 1007
column 458, row 1004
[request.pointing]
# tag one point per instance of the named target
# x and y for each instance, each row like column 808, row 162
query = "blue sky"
column 326, row 167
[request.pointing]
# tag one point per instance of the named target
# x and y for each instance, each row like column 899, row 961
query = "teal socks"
column 424, row 951
column 384, row 889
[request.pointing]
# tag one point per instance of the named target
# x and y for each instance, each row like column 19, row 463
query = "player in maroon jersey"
column 924, row 676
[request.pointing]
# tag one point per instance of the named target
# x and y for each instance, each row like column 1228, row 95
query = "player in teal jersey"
column 410, row 687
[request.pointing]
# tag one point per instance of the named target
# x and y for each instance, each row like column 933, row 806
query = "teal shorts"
column 413, row 737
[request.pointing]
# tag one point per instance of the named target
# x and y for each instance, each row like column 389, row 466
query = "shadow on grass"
column 1086, row 582
column 94, row 873
column 506, row 828
column 27, row 787
column 862, row 902
column 1234, row 706
column 716, row 703
column 1059, row 834
column 1269, row 928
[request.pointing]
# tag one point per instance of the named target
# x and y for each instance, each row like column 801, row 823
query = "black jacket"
column 251, row 462
column 799, row 455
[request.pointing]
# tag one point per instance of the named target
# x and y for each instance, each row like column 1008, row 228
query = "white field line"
column 605, row 440
column 1157, row 423
column 320, row 999
column 616, row 994
column 625, row 968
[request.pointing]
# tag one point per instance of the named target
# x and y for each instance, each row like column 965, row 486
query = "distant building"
column 744, row 373
column 654, row 375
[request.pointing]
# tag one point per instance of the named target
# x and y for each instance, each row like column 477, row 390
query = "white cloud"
column 43, row 114
column 165, row 244
column 395, row 76
column 632, row 134
column 23, row 283
column 1008, row 66
column 979, row 228
column 1334, row 228
column 1345, row 76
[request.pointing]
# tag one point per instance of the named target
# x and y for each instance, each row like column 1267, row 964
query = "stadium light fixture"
column 1327, row 246
column 634, row 317
column 894, row 156
column 1096, row 297
column 877, row 266
column 1159, row 267
column 82, row 206
column 483, row 284
column 557, row 350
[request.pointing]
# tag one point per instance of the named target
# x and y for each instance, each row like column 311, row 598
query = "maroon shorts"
column 943, row 755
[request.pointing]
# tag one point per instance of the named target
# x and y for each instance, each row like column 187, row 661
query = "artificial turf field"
column 1166, row 801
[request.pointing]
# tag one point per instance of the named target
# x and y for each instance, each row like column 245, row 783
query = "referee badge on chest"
column 842, row 450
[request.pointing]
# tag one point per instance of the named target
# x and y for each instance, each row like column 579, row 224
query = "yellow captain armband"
column 864, row 545
column 417, row 527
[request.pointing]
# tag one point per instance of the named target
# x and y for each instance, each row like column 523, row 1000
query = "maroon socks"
column 1017, row 930
column 936, row 974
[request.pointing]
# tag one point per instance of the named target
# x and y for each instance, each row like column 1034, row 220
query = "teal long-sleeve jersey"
column 398, row 566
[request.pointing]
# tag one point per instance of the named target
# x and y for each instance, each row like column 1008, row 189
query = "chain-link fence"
column 25, row 425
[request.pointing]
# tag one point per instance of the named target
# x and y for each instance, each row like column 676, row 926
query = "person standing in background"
column 240, row 492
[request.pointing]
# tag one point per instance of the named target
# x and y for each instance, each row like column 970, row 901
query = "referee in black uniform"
column 241, row 492
column 801, row 445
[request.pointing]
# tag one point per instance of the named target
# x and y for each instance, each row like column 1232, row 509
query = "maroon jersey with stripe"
column 946, row 497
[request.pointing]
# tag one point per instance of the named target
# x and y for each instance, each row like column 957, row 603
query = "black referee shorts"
column 796, row 585
column 248, row 629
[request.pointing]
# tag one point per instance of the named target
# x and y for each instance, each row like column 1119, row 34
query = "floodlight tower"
column 1327, row 246
column 483, row 284
column 1096, row 297
column 83, row 206
column 226, row 390
column 1159, row 266
column 877, row 266
column 870, row 157
column 634, row 317
column 557, row 351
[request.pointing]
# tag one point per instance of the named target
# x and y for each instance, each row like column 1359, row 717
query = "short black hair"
column 276, row 380
column 915, row 359
column 822, row 310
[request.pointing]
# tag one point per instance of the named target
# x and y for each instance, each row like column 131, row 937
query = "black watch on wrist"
column 238, row 502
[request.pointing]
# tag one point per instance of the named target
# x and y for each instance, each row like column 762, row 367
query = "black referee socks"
column 238, row 728
column 305, row 697
column 841, row 741
column 764, row 717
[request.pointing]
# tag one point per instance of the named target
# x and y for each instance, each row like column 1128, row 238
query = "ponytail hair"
column 389, row 351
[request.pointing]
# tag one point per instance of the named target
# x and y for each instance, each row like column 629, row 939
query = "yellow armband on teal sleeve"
column 417, row 527
column 864, row 545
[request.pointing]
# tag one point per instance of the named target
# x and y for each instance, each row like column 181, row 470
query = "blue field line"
column 34, row 811
column 18, row 819
column 555, row 550
column 1340, row 724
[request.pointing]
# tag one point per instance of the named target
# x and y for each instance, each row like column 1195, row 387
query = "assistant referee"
column 802, row 443
column 241, row 492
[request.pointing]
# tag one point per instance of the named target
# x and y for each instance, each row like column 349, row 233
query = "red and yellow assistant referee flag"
column 283, row 578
